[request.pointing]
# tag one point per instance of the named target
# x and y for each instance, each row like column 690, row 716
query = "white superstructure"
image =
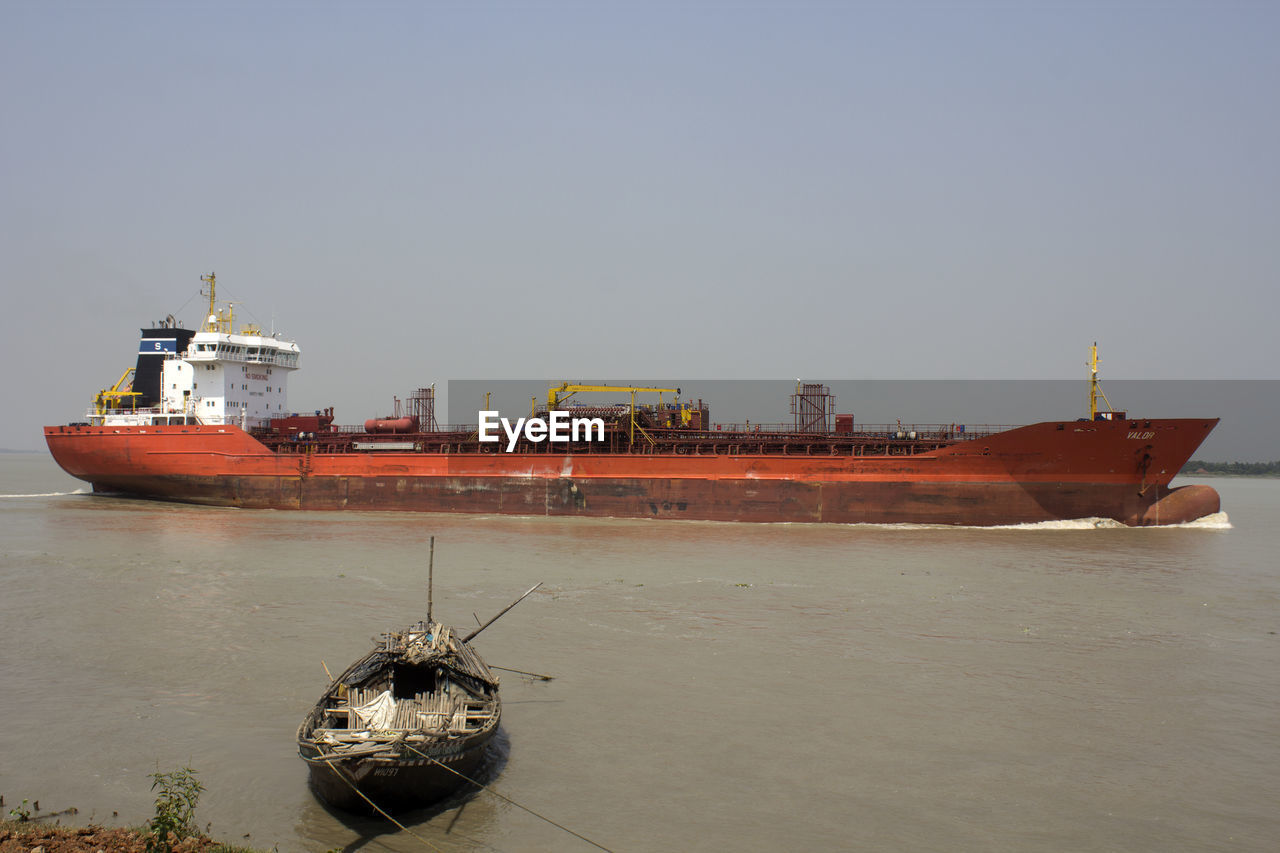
column 224, row 376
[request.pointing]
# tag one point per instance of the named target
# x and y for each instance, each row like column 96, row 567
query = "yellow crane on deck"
column 110, row 398
column 558, row 395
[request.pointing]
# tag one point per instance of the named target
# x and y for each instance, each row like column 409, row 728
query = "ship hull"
column 1042, row 472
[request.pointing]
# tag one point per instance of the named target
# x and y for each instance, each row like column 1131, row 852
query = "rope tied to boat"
column 507, row 799
column 343, row 776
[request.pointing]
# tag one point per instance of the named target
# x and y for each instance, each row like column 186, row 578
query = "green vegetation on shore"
column 1233, row 469
column 172, row 830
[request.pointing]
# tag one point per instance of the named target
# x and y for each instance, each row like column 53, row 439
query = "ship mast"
column 211, row 317
column 1095, row 387
column 214, row 320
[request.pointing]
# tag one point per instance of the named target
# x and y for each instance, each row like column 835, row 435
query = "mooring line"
column 489, row 790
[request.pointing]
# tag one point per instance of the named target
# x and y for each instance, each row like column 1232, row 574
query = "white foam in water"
column 1213, row 521
column 49, row 494
column 1216, row 521
column 1092, row 523
column 1067, row 524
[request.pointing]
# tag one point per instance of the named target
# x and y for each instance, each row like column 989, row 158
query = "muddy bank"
column 28, row 836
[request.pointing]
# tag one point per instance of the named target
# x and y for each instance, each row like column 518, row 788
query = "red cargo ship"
column 203, row 419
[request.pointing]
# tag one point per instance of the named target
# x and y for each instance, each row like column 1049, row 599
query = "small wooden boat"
column 405, row 725
column 408, row 723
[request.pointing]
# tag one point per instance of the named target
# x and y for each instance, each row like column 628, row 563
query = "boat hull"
column 404, row 726
column 395, row 785
column 1043, row 472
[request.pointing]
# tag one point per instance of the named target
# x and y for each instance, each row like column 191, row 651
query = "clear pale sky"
column 419, row 192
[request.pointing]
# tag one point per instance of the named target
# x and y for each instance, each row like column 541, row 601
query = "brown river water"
column 718, row 687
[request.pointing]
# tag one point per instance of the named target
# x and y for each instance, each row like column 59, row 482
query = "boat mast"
column 431, row 562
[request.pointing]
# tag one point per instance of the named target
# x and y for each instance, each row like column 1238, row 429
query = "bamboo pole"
column 472, row 635
column 431, row 562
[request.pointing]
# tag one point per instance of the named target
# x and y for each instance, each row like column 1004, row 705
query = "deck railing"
column 946, row 432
